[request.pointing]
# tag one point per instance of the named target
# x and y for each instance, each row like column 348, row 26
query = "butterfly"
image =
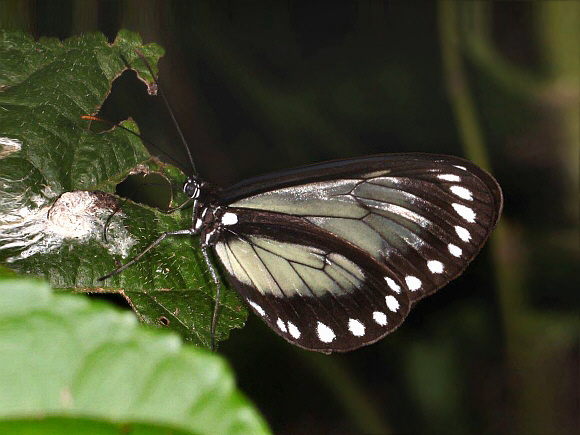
column 334, row 255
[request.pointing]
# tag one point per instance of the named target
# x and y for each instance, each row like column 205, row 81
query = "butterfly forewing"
column 324, row 252
column 314, row 289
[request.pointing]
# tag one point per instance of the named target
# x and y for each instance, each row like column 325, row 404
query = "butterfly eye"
column 191, row 188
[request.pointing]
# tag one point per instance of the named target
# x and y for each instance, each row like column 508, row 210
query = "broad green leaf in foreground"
column 67, row 357
column 57, row 179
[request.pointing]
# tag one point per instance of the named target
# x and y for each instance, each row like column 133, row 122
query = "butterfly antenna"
column 183, row 141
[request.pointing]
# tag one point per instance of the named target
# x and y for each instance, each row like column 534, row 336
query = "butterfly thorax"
column 207, row 214
column 210, row 221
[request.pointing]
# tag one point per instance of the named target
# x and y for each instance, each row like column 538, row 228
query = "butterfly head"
column 192, row 188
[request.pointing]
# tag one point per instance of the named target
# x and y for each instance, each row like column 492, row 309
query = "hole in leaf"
column 151, row 189
column 163, row 321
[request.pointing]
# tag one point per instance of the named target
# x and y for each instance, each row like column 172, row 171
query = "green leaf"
column 57, row 179
column 65, row 357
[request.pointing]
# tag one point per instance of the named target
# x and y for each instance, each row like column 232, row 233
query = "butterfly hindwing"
column 312, row 288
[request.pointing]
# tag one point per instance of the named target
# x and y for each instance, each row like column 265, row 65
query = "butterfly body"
column 333, row 256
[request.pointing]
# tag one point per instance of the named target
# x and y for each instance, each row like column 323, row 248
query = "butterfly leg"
column 120, row 206
column 216, row 307
column 187, row 232
column 110, row 217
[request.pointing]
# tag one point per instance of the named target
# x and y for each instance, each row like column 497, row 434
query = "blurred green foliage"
column 70, row 362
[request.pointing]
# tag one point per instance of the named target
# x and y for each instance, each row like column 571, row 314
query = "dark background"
column 257, row 87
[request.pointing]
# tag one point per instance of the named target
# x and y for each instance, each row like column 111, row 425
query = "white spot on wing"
column 462, row 192
column 280, row 323
column 455, row 250
column 229, row 218
column 393, row 285
column 435, row 266
column 463, row 233
column 293, row 330
column 325, row 334
column 465, row 212
column 356, row 327
column 258, row 308
column 449, row 177
column 413, row 282
column 380, row 318
column 392, row 303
